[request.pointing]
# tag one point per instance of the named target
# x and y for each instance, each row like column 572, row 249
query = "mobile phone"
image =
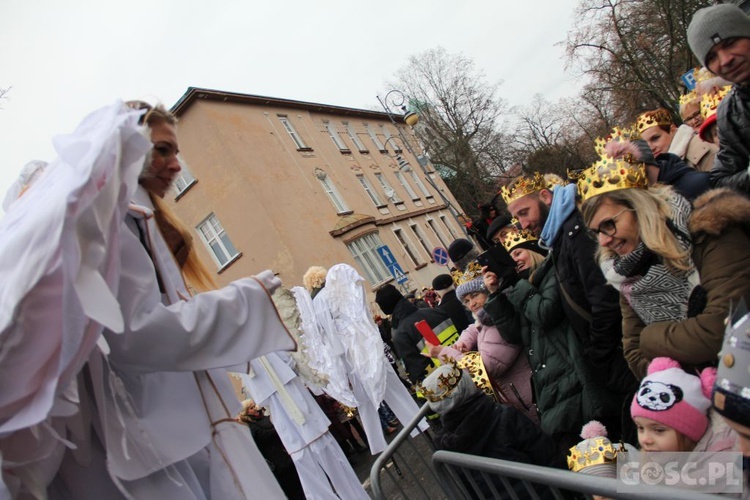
column 497, row 260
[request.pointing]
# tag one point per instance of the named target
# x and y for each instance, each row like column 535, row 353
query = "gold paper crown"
column 517, row 236
column 521, row 186
column 689, row 97
column 711, row 100
column 472, row 362
column 611, row 174
column 652, row 119
column 473, row 271
column 446, row 383
column 600, row 453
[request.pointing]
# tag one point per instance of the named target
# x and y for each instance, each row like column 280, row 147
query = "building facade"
column 279, row 184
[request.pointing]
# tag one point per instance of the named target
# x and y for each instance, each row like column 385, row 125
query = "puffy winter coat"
column 720, row 227
column 567, row 390
column 506, row 366
column 733, row 158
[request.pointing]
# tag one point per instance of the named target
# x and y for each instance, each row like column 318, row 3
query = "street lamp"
column 398, row 100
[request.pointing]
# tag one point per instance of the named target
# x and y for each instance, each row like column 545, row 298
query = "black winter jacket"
column 450, row 305
column 733, row 158
column 596, row 316
column 685, row 179
column 408, row 341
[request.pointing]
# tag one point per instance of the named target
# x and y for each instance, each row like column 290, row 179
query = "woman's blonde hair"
column 536, row 260
column 652, row 210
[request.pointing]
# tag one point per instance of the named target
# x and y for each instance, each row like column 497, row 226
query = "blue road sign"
column 689, row 79
column 440, row 256
column 390, row 262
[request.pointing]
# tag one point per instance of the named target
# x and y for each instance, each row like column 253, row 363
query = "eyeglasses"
column 693, row 117
column 607, row 227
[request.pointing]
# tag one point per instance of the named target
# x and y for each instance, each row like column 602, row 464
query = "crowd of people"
column 608, row 308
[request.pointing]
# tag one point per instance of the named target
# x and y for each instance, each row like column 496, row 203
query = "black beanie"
column 387, row 298
column 442, row 281
column 459, row 248
column 497, row 224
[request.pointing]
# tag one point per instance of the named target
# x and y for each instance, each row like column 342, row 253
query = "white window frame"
column 184, row 179
column 374, row 137
column 420, row 184
column 365, row 254
column 405, row 183
column 406, row 244
column 438, row 233
column 355, row 139
column 284, row 119
column 390, row 139
column 387, row 188
column 333, row 194
column 336, row 138
column 367, row 186
column 217, row 241
column 421, row 238
column 445, row 223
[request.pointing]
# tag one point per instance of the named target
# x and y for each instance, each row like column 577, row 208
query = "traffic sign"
column 390, row 262
column 398, row 274
column 386, row 255
column 689, row 79
column 440, row 256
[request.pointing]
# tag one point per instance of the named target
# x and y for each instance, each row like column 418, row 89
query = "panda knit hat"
column 675, row 398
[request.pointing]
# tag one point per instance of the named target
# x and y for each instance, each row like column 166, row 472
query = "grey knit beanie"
column 475, row 285
column 711, row 25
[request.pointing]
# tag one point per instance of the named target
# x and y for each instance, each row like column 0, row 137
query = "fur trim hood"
column 719, row 209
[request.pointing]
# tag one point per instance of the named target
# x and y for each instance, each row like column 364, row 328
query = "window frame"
column 405, row 183
column 296, row 138
column 188, row 180
column 370, row 190
column 386, row 186
column 406, row 244
column 336, row 138
column 366, row 254
column 374, row 138
column 211, row 222
column 355, row 138
column 333, row 194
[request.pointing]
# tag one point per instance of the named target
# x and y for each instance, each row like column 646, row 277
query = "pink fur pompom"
column 660, row 364
column 708, row 379
column 593, row 429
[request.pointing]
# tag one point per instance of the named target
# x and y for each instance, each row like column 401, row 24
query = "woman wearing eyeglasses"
column 677, row 271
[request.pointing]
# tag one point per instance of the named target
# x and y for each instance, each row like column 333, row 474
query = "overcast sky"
column 64, row 59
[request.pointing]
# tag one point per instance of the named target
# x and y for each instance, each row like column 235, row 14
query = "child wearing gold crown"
column 506, row 366
column 677, row 269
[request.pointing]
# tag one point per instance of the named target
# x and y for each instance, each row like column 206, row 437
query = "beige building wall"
column 267, row 193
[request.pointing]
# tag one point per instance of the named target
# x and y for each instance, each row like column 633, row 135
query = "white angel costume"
column 59, row 259
column 346, row 324
column 303, row 428
column 165, row 407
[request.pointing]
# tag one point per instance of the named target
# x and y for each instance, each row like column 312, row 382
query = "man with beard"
column 592, row 307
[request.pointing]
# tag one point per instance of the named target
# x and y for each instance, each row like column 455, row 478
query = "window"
column 420, row 185
column 420, row 237
column 388, row 189
column 336, row 138
column 293, row 133
column 375, row 139
column 365, row 253
column 184, row 179
column 217, row 240
column 355, row 139
column 407, row 246
column 390, row 141
column 374, row 196
column 402, row 179
column 447, row 226
column 332, row 193
column 438, row 233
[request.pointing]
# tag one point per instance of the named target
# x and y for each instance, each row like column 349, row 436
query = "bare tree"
column 635, row 50
column 458, row 127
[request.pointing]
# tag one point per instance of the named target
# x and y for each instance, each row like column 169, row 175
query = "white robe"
column 165, row 405
column 303, row 429
column 346, row 322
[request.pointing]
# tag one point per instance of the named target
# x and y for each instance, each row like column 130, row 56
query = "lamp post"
column 398, row 100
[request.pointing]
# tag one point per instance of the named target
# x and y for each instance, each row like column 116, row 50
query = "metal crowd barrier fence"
column 414, row 469
column 457, row 472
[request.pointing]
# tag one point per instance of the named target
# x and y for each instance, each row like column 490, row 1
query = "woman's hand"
column 491, row 282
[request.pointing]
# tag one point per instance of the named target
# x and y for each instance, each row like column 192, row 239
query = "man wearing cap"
column 449, row 303
column 592, row 307
column 719, row 36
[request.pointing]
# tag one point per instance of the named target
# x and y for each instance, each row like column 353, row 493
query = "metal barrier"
column 454, row 473
column 410, row 458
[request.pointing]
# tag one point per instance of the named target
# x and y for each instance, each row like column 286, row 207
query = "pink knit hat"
column 675, row 398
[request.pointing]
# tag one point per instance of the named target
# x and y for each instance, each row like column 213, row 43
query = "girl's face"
column 522, row 258
column 475, row 301
column 655, row 436
column 657, row 139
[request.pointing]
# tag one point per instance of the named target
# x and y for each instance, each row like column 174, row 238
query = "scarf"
column 563, row 204
column 654, row 292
